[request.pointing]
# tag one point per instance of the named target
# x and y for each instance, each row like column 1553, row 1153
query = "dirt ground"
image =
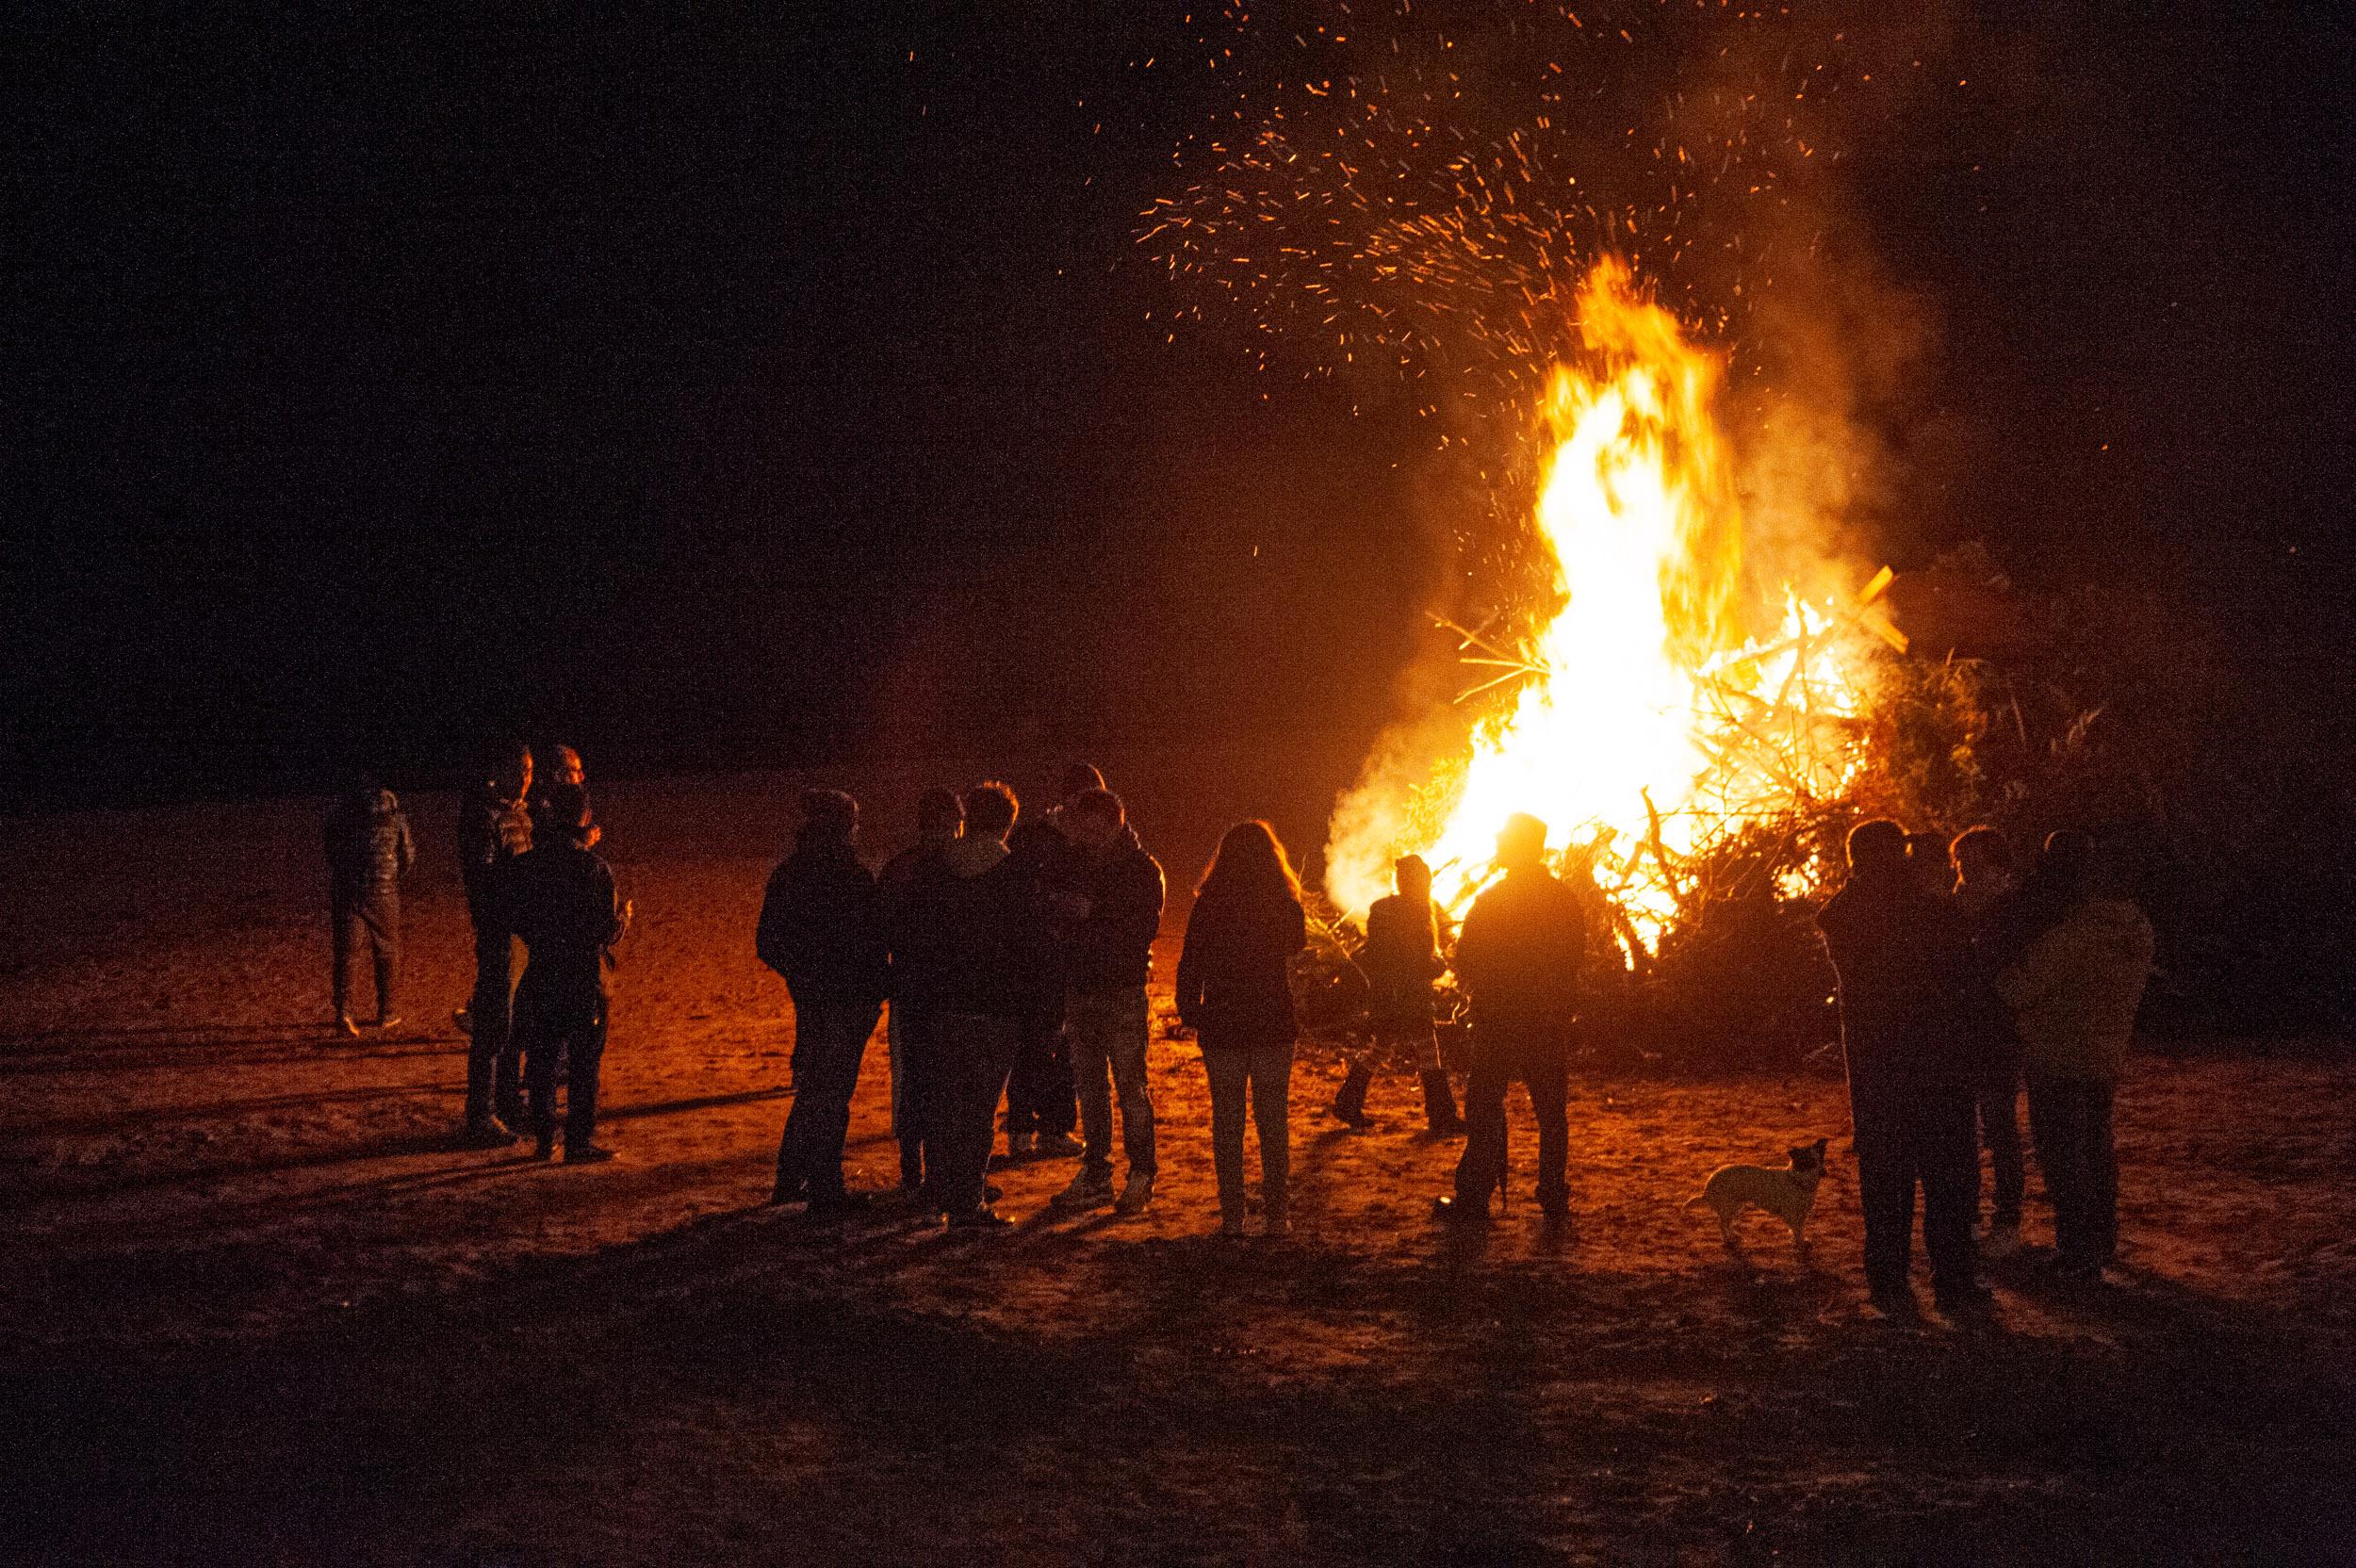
column 255, row 1308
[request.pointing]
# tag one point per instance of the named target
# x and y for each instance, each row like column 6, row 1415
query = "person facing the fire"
column 940, row 822
column 1983, row 865
column 559, row 898
column 822, row 927
column 977, row 943
column 1904, row 968
column 1403, row 957
column 493, row 829
column 1523, row 961
column 1042, row 1102
column 368, row 852
column 1235, row 990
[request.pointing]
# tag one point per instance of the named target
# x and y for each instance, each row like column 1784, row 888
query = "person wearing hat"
column 1401, row 960
column 559, row 898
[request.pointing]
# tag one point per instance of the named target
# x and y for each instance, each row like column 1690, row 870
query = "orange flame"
column 1645, row 727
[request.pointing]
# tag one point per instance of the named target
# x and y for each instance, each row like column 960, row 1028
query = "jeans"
column 1040, row 1094
column 1106, row 1034
column 1543, row 1062
column 2070, row 1119
column 1905, row 1135
column 377, row 924
column 547, row 1036
column 2000, row 1130
column 1263, row 1072
column 973, row 1055
column 830, row 1042
column 491, row 1075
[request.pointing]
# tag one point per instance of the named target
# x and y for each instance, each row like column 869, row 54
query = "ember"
column 1649, row 716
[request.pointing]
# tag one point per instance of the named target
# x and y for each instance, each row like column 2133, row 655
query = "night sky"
column 781, row 396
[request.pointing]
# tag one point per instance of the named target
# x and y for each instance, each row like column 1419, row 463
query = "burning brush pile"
column 1696, row 725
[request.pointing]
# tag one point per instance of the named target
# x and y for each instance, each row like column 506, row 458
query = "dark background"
column 734, row 398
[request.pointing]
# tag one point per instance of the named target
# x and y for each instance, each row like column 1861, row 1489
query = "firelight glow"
column 1647, row 727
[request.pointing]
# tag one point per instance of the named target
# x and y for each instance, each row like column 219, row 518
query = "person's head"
column 939, row 816
column 507, row 769
column 1250, row 863
column 569, row 811
column 1522, row 842
column 1982, row 858
column 1078, row 779
column 1877, row 848
column 1411, row 876
column 2066, row 865
column 1093, row 818
column 990, row 809
column 828, row 814
column 565, row 767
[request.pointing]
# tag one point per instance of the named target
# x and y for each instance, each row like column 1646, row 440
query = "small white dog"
column 1787, row 1194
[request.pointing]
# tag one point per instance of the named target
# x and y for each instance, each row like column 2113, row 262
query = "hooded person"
column 558, row 899
column 1113, row 913
column 821, row 928
column 2074, row 991
column 368, row 852
column 1902, row 958
column 974, row 938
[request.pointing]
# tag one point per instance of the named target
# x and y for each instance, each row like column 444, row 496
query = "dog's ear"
column 1798, row 1155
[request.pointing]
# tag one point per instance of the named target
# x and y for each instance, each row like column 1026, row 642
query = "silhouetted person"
column 1983, row 863
column 560, row 901
column 1111, row 907
column 978, row 940
column 1522, row 960
column 2074, row 992
column 1904, row 966
column 1235, row 990
column 939, row 820
column 1401, row 960
column 368, row 852
column 1043, row 1105
column 494, row 827
column 822, row 927
column 555, row 765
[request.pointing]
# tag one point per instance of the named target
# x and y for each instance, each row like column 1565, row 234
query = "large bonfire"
column 1680, row 700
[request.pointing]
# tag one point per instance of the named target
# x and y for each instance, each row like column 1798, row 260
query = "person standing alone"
column 493, row 829
column 821, row 928
column 368, row 852
column 1523, row 960
column 1235, row 990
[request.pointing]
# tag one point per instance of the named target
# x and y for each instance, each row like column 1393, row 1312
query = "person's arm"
column 772, row 937
column 618, row 910
column 1190, row 960
column 1296, row 932
column 406, row 855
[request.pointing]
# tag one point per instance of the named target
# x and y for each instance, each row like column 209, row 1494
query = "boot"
column 1350, row 1105
column 1439, row 1105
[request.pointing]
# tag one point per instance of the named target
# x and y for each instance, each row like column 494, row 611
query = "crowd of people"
column 1007, row 956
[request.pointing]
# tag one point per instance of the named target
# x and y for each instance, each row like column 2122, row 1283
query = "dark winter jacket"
column 492, row 830
column 368, row 850
column 971, row 935
column 1234, row 981
column 1905, row 967
column 821, row 925
column 1401, row 960
column 1523, row 956
column 560, row 899
column 1110, row 947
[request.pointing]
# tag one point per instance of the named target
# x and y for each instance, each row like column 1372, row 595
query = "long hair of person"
column 1250, row 865
column 1413, row 876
